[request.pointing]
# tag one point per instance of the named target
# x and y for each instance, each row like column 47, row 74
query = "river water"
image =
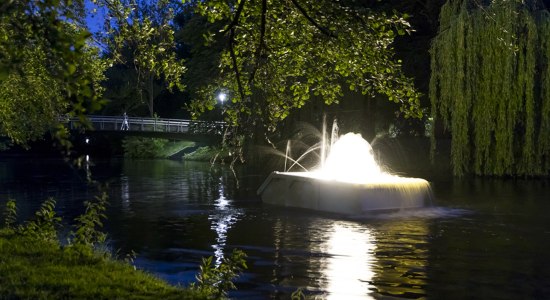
column 480, row 238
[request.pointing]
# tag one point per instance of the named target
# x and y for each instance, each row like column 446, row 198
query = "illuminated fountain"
column 349, row 181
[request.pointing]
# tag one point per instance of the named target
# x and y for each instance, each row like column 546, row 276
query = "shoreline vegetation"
column 144, row 147
column 38, row 269
column 208, row 154
column 35, row 265
column 150, row 148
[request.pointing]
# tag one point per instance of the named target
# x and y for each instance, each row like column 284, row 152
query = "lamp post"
column 221, row 97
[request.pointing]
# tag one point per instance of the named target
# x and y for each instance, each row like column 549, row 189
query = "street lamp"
column 221, row 97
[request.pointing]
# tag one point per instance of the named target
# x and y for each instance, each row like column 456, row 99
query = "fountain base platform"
column 306, row 190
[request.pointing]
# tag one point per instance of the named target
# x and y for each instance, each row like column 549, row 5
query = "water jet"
column 348, row 181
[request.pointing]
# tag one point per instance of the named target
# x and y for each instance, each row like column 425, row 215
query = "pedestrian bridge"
column 154, row 127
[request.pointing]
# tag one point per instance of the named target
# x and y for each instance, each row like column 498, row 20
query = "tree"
column 490, row 86
column 281, row 54
column 46, row 68
column 120, row 91
column 144, row 29
column 201, row 58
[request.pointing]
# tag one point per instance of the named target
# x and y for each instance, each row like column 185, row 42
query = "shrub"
column 216, row 281
column 45, row 223
column 10, row 214
column 141, row 147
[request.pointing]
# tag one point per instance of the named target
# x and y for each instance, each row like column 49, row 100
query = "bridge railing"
column 114, row 123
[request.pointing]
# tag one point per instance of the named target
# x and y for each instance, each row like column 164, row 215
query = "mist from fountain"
column 347, row 158
column 351, row 159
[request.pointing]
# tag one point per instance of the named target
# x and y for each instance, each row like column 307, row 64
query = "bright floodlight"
column 221, row 96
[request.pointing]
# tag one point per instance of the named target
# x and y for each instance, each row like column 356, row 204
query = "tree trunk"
column 151, row 95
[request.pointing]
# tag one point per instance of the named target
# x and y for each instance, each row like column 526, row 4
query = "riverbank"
column 36, row 269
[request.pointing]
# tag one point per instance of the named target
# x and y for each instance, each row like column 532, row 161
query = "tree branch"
column 260, row 41
column 312, row 21
column 112, row 8
column 236, row 18
column 234, row 60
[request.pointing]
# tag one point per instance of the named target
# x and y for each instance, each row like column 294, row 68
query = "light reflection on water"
column 350, row 259
column 348, row 269
column 222, row 218
column 337, row 259
column 125, row 193
column 484, row 238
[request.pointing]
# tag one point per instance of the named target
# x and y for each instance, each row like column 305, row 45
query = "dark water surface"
column 481, row 238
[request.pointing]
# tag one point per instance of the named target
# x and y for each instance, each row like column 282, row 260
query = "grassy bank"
column 38, row 269
column 35, row 265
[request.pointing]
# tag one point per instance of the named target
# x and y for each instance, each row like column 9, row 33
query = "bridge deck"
column 188, row 127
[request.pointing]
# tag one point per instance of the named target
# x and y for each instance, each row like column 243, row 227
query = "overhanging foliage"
column 490, row 86
column 279, row 55
column 46, row 68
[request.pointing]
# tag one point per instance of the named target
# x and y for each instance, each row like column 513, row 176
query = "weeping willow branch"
column 489, row 87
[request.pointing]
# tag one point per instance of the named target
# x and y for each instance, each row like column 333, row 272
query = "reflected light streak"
column 222, row 202
column 349, row 270
column 222, row 219
column 125, row 192
column 87, row 164
column 221, row 224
